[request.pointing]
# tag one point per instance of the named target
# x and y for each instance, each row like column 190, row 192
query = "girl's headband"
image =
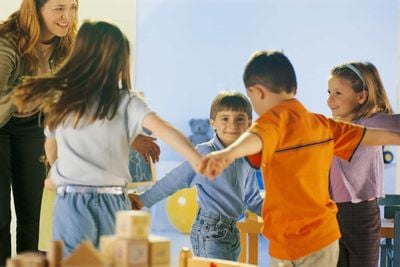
column 357, row 72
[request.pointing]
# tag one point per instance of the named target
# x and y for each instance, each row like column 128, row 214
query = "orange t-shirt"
column 298, row 148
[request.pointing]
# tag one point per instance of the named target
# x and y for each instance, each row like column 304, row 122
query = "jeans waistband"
column 214, row 216
column 114, row 190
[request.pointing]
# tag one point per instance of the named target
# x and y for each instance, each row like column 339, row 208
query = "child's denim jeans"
column 82, row 213
column 215, row 236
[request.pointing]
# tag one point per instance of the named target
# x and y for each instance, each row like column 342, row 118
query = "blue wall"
column 188, row 50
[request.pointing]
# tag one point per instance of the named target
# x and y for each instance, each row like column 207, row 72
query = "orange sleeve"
column 265, row 128
column 347, row 137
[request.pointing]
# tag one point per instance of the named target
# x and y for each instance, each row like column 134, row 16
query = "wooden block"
column 131, row 252
column 55, row 253
column 184, row 256
column 159, row 250
column 84, row 255
column 134, row 224
column 27, row 259
column 106, row 248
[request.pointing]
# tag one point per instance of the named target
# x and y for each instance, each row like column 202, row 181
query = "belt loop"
column 61, row 190
column 220, row 221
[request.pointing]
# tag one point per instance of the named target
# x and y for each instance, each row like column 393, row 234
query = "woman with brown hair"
column 33, row 40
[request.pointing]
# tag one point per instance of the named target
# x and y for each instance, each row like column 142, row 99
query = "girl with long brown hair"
column 91, row 118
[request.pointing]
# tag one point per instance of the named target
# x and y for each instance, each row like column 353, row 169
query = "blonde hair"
column 370, row 81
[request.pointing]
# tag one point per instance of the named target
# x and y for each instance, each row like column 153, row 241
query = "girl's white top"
column 96, row 154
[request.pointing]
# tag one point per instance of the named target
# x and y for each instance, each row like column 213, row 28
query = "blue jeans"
column 85, row 216
column 215, row 236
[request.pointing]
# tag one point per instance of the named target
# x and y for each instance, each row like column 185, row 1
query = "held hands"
column 214, row 164
column 136, row 204
column 146, row 147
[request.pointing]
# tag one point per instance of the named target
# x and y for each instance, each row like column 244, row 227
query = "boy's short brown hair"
column 271, row 69
column 230, row 100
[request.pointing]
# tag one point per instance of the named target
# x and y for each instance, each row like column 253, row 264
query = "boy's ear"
column 258, row 90
column 212, row 123
column 362, row 97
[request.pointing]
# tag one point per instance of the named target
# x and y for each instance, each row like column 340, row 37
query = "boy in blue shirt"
column 221, row 202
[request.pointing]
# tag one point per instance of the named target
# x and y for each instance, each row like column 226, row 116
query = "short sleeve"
column 266, row 128
column 137, row 109
column 48, row 133
column 347, row 137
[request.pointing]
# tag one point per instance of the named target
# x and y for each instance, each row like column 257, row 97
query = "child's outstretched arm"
column 214, row 163
column 378, row 137
column 173, row 137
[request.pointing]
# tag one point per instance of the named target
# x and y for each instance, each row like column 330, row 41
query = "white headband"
column 357, row 72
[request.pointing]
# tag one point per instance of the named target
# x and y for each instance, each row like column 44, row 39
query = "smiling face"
column 343, row 101
column 229, row 125
column 57, row 17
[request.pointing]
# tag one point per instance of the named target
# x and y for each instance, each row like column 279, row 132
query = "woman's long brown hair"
column 90, row 79
column 24, row 27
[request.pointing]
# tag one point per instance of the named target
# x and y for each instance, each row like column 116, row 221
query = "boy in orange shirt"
column 294, row 148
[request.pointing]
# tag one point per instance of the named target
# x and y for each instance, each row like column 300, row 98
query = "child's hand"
column 146, row 147
column 49, row 184
column 214, row 164
column 136, row 204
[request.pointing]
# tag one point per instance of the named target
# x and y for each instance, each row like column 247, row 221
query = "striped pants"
column 359, row 224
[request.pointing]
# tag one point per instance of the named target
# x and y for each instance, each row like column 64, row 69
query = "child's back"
column 97, row 154
column 299, row 146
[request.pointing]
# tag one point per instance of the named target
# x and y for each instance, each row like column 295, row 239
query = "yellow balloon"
column 182, row 209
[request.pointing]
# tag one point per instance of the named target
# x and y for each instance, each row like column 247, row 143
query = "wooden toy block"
column 107, row 248
column 55, row 253
column 134, row 224
column 85, row 255
column 27, row 259
column 159, row 250
column 131, row 252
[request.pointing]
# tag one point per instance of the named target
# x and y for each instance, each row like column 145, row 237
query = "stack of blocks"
column 131, row 246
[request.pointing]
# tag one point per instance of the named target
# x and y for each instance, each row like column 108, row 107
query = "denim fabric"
column 215, row 236
column 21, row 167
column 85, row 216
